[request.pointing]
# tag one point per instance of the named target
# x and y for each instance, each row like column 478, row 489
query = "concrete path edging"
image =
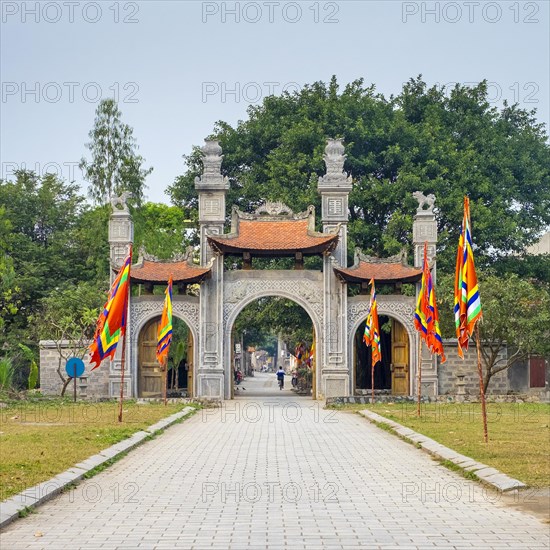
column 32, row 497
column 486, row 474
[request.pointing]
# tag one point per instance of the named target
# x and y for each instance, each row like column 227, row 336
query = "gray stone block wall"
column 448, row 373
column 91, row 384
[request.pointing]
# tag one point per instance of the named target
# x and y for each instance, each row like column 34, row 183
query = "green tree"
column 161, row 229
column 446, row 142
column 115, row 165
column 68, row 317
column 265, row 319
column 43, row 252
column 516, row 317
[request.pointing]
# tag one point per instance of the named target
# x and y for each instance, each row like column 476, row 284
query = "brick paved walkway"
column 275, row 472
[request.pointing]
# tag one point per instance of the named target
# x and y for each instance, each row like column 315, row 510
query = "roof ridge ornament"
column 274, row 209
column 177, row 257
column 270, row 211
column 400, row 258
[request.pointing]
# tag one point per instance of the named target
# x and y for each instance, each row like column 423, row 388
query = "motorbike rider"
column 281, row 377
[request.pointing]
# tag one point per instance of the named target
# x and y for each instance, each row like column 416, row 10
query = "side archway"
column 145, row 309
column 399, row 308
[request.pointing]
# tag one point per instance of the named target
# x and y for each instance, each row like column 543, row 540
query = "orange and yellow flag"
column 372, row 329
column 111, row 324
column 467, row 303
column 426, row 317
column 165, row 327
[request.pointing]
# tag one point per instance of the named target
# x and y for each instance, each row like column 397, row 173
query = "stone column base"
column 335, row 383
column 210, row 384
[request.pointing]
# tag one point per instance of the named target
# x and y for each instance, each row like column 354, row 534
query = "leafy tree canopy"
column 265, row 319
column 446, row 142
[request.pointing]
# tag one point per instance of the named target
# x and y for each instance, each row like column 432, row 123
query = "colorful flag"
column 467, row 304
column 426, row 317
column 372, row 330
column 165, row 327
column 111, row 324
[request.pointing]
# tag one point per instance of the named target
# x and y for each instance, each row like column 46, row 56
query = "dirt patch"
column 531, row 500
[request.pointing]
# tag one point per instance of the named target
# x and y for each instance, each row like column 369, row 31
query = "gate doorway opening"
column 269, row 334
column 180, row 361
column 392, row 374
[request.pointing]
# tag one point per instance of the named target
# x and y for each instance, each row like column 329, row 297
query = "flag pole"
column 123, row 358
column 122, row 369
column 481, row 390
column 165, row 380
column 372, row 379
column 419, row 383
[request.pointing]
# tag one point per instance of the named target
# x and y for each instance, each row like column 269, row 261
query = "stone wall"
column 89, row 385
column 450, row 373
column 518, row 376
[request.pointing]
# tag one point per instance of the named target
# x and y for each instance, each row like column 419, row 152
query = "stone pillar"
column 425, row 229
column 121, row 233
column 212, row 188
column 121, row 236
column 334, row 188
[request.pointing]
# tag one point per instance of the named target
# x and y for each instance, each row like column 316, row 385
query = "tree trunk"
column 65, row 385
column 486, row 380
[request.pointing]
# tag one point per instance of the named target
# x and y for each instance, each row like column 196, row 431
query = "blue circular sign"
column 74, row 367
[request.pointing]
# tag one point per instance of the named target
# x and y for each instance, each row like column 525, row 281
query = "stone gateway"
column 208, row 297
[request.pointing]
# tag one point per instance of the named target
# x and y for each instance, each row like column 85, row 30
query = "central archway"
column 243, row 288
column 270, row 333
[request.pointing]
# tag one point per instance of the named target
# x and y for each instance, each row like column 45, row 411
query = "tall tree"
column 115, row 165
column 449, row 143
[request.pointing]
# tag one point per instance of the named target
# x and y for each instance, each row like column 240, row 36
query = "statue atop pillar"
column 424, row 228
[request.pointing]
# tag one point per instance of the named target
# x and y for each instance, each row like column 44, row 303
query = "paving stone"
column 179, row 490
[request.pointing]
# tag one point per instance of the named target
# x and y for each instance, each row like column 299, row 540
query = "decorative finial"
column 334, row 158
column 212, row 165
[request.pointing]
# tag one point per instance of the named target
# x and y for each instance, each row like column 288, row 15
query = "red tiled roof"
column 153, row 271
column 267, row 236
column 384, row 272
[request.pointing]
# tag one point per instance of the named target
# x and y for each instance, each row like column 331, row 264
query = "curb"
column 486, row 474
column 32, row 497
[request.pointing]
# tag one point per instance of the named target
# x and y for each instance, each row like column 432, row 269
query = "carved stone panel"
column 145, row 309
column 306, row 292
column 424, row 231
column 401, row 309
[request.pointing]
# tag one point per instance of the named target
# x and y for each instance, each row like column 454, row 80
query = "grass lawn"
column 519, row 433
column 39, row 440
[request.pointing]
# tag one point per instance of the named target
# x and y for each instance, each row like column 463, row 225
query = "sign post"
column 74, row 368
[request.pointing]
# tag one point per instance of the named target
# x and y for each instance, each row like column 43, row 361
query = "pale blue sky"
column 170, row 62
